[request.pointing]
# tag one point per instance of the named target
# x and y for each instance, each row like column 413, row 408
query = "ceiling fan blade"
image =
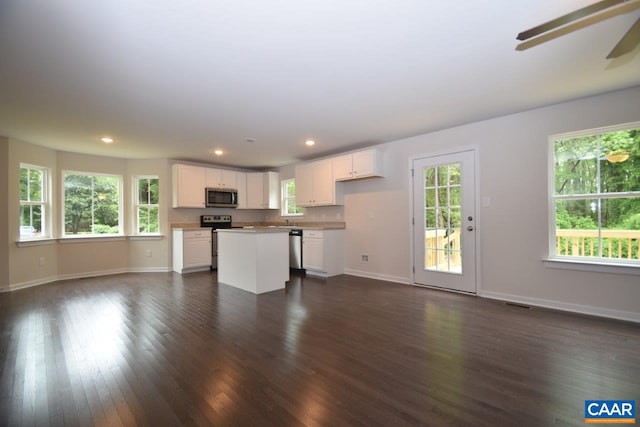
column 569, row 17
column 628, row 42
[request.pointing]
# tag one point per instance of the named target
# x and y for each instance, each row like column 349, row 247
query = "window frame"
column 44, row 203
column 136, row 205
column 583, row 263
column 121, row 224
column 284, row 198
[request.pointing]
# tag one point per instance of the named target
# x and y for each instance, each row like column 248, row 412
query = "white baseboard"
column 563, row 306
column 92, row 274
column 150, row 270
column 44, row 281
column 385, row 277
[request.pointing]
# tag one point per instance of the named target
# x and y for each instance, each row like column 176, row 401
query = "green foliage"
column 104, row 229
column 91, row 203
column 442, row 196
column 582, row 167
column 632, row 222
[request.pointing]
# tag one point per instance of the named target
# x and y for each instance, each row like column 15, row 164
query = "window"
column 91, row 204
column 34, row 199
column 146, row 205
column 289, row 207
column 595, row 197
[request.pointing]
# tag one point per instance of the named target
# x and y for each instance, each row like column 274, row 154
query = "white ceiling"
column 177, row 79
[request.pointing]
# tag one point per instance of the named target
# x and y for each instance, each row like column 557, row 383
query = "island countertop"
column 253, row 230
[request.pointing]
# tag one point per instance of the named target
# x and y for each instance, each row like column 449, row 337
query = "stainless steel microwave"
column 221, row 198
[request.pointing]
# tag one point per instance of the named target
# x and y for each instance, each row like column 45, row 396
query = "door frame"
column 475, row 149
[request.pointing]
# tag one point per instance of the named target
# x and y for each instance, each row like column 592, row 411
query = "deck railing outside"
column 442, row 250
column 616, row 244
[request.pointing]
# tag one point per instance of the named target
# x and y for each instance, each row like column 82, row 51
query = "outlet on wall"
column 149, row 253
column 364, row 258
column 41, row 261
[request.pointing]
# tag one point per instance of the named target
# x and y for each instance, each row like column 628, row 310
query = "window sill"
column 596, row 267
column 67, row 239
column 146, row 237
column 35, row 242
column 84, row 239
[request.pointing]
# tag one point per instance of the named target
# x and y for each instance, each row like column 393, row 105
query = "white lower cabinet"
column 191, row 250
column 323, row 252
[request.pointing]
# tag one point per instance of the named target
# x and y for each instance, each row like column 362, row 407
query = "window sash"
column 602, row 243
column 86, row 210
column 32, row 204
column 289, row 206
column 139, row 206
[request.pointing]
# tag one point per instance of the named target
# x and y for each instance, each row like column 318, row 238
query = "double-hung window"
column 34, row 202
column 595, row 195
column 92, row 204
column 288, row 204
column 147, row 205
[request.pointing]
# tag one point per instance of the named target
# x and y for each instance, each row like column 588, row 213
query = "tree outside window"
column 289, row 207
column 596, row 195
column 91, row 204
column 33, row 201
column 147, row 207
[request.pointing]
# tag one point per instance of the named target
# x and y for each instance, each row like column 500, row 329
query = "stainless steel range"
column 215, row 222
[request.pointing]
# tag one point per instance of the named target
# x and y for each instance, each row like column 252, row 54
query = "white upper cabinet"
column 242, row 189
column 361, row 164
column 262, row 190
column 188, row 184
column 222, row 178
column 315, row 185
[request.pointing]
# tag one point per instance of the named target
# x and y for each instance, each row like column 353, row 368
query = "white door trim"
column 478, row 214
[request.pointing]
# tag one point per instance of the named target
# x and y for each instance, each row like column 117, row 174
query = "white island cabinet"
column 254, row 260
column 191, row 249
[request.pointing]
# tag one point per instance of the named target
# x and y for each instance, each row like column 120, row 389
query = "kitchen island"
column 254, row 259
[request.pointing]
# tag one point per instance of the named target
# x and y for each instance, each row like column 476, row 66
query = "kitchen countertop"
column 189, row 227
column 309, row 225
column 299, row 226
column 253, row 230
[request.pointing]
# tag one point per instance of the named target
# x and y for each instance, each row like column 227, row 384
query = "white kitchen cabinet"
column 191, row 250
column 222, row 178
column 263, row 190
column 242, row 189
column 188, row 184
column 361, row 164
column 315, row 185
column 323, row 252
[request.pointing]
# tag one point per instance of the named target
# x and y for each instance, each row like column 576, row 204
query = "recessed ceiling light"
column 106, row 140
column 310, row 142
column 218, row 152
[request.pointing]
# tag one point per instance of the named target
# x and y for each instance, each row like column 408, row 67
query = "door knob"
column 470, row 228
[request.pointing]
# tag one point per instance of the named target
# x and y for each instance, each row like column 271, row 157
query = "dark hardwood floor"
column 164, row 349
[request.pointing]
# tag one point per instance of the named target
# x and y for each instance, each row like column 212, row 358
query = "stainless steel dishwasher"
column 295, row 249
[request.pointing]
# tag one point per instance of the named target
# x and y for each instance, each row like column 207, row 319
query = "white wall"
column 513, row 229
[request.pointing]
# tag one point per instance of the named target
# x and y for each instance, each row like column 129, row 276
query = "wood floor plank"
column 165, row 349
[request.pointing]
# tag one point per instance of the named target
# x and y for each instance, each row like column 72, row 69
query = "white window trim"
column 46, row 221
column 602, row 265
column 93, row 237
column 135, row 204
column 283, row 199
